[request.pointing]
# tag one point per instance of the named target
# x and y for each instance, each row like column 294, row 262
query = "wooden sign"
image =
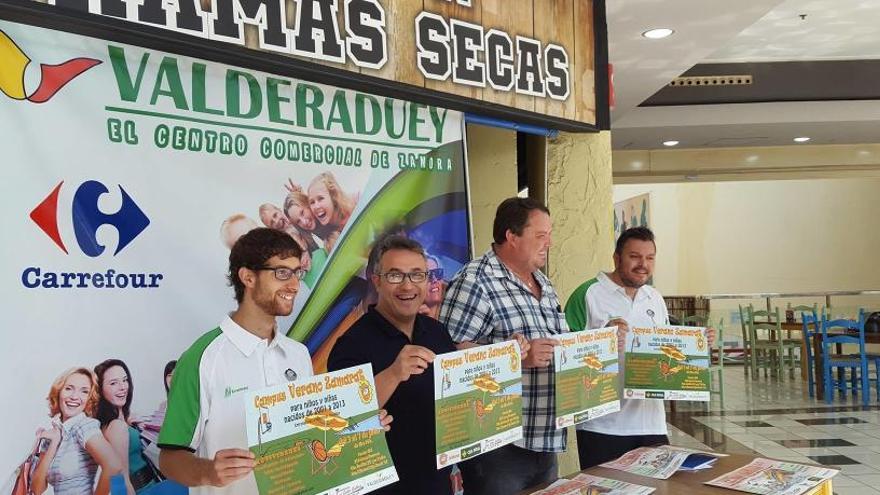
column 530, row 55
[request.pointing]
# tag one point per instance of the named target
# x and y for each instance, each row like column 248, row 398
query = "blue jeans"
column 507, row 471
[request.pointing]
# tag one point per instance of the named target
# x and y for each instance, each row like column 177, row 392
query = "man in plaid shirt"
column 503, row 295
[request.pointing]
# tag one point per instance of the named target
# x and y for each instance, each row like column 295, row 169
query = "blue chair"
column 168, row 487
column 842, row 361
column 810, row 320
column 875, row 358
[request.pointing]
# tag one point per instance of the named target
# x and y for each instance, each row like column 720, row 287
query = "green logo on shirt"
column 230, row 391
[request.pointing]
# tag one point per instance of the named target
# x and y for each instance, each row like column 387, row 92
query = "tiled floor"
column 776, row 418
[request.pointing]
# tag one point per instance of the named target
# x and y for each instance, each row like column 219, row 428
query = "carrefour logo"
column 129, row 221
column 86, row 218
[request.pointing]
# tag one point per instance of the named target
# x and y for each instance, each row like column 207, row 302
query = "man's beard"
column 270, row 305
column 632, row 284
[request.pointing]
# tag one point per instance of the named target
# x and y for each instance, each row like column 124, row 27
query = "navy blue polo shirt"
column 373, row 339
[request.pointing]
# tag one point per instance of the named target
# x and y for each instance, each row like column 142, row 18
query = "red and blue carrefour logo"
column 87, row 218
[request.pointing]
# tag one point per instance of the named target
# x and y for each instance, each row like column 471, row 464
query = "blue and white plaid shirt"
column 486, row 303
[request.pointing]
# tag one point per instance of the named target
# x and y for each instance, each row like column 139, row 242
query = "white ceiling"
column 737, row 31
column 830, row 30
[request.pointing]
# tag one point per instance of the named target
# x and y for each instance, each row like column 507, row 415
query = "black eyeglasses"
column 284, row 273
column 399, row 277
column 435, row 274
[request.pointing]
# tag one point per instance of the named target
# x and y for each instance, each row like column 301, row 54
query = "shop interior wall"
column 765, row 236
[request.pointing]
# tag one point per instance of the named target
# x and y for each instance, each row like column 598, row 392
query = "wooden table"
column 684, row 483
column 818, row 361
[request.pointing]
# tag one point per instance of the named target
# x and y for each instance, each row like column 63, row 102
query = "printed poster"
column 655, row 462
column 768, row 477
column 477, row 401
column 596, row 485
column 667, row 363
column 585, row 484
column 586, row 366
column 128, row 171
column 632, row 212
column 319, row 435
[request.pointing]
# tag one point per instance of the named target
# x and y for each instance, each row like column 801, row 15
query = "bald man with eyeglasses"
column 401, row 345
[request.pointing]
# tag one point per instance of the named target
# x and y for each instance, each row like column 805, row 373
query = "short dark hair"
column 513, row 215
column 391, row 243
column 638, row 233
column 107, row 412
column 169, row 368
column 254, row 249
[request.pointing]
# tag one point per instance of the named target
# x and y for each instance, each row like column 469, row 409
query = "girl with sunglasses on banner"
column 74, row 447
column 116, row 389
column 436, row 288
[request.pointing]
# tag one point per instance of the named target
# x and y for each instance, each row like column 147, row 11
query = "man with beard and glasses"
column 622, row 298
column 203, row 439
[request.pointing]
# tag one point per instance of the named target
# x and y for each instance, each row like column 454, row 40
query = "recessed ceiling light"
column 670, row 143
column 659, row 33
column 802, row 139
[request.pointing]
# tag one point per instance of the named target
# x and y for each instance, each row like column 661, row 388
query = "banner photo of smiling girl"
column 129, row 172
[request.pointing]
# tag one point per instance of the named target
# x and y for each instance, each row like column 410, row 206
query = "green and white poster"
column 319, row 435
column 667, row 363
column 128, row 171
column 477, row 401
column 586, row 367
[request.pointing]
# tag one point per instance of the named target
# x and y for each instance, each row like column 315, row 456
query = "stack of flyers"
column 658, row 462
column 585, row 484
column 766, row 477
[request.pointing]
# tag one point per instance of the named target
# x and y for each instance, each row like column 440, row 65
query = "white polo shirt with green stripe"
column 206, row 409
column 593, row 305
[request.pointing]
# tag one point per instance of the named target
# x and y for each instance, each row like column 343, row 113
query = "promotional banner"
column 670, row 363
column 586, row 366
column 128, row 173
column 477, row 401
column 319, row 435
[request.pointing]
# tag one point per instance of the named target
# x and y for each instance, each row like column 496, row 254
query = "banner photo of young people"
column 128, row 173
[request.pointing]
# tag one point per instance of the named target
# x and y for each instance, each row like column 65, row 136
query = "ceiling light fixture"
column 670, row 143
column 657, row 34
column 802, row 139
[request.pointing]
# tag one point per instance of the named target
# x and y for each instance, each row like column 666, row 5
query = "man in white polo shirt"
column 622, row 298
column 203, row 439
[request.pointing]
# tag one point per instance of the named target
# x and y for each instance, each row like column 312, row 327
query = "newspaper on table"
column 586, row 368
column 477, row 401
column 766, row 476
column 656, row 462
column 586, row 484
column 667, row 363
column 319, row 435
